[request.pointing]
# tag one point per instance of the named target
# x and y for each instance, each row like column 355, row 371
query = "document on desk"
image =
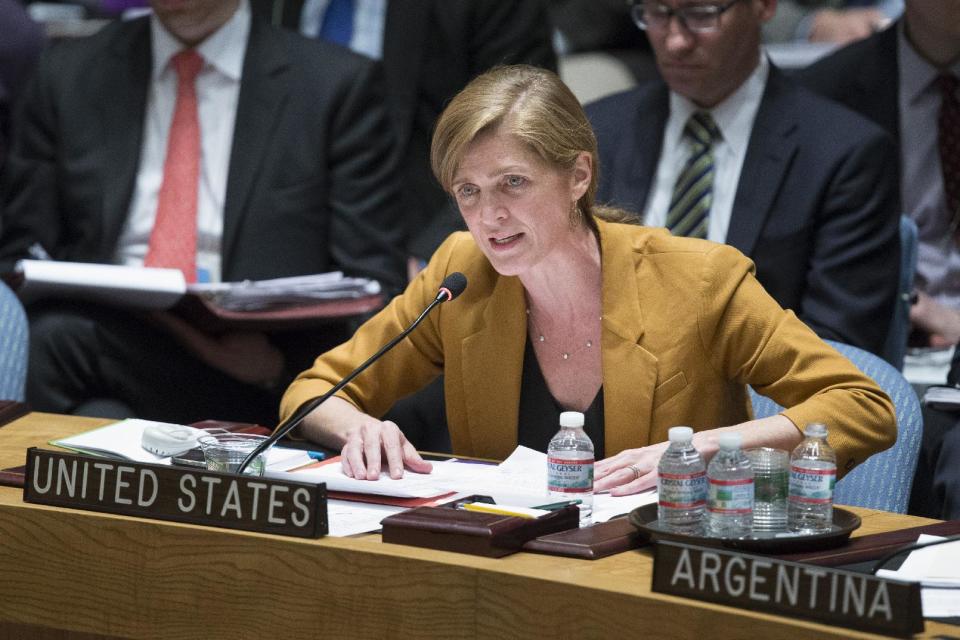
column 347, row 518
column 938, row 570
column 520, row 481
column 123, row 440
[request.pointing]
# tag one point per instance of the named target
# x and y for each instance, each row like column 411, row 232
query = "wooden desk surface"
column 94, row 575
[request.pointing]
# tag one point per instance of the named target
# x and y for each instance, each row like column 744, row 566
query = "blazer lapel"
column 124, row 103
column 769, row 154
column 263, row 93
column 496, row 349
column 627, row 400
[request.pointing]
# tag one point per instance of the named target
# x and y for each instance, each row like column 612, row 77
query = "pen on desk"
column 553, row 506
column 316, row 455
column 483, row 507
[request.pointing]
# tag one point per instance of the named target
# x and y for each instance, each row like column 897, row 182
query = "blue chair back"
column 895, row 348
column 884, row 480
column 14, row 339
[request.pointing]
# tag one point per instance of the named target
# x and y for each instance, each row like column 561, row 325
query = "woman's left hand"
column 630, row 471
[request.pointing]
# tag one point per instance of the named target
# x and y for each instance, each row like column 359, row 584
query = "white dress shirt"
column 369, row 17
column 921, row 181
column 734, row 117
column 218, row 88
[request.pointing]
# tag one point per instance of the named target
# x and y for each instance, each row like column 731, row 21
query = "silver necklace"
column 565, row 355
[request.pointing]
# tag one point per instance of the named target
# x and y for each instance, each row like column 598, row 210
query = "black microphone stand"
column 298, row 416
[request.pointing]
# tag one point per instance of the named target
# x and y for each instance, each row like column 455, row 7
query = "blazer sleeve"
column 411, row 365
column 752, row 340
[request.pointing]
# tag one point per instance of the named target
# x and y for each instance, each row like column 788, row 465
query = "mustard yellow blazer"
column 685, row 327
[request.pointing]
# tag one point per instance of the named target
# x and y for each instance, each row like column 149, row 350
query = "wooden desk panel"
column 99, row 574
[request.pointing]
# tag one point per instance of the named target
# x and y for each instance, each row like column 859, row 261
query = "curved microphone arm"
column 453, row 285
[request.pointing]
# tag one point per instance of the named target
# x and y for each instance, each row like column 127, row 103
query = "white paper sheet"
column 130, row 287
column 122, row 440
column 346, row 518
column 938, row 570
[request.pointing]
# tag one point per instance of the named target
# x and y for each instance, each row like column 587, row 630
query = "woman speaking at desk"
column 568, row 310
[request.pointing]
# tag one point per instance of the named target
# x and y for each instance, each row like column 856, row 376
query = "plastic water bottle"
column 681, row 485
column 813, row 474
column 730, row 490
column 570, row 464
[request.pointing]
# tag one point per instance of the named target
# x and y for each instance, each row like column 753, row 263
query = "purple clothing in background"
column 117, row 7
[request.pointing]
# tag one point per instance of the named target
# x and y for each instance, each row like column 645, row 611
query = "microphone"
column 451, row 287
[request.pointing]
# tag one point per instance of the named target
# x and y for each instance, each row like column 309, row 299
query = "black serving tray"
column 844, row 523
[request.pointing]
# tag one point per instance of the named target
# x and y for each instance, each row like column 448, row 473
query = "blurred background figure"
column 830, row 21
column 20, row 45
column 728, row 148
column 906, row 79
column 203, row 139
column 429, row 50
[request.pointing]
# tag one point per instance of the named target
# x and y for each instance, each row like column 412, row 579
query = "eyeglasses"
column 697, row 18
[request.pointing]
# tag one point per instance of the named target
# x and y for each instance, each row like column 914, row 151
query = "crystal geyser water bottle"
column 681, row 485
column 730, row 492
column 570, row 464
column 813, row 474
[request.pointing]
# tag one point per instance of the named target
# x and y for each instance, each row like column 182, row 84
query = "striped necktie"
column 693, row 192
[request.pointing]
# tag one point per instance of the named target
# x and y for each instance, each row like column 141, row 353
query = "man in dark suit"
column 906, row 79
column 295, row 173
column 910, row 64
column 430, row 49
column 803, row 187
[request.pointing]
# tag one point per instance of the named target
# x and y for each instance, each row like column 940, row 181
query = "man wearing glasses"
column 727, row 148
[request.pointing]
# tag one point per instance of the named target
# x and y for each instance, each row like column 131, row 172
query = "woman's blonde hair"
column 531, row 104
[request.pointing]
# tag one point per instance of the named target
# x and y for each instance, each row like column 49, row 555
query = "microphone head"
column 452, row 286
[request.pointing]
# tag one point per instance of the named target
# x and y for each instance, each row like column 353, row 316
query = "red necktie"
column 173, row 241
column 948, row 137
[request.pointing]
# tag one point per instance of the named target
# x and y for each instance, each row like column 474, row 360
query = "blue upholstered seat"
column 883, row 481
column 14, row 338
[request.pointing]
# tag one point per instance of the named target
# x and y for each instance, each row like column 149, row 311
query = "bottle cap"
column 815, row 430
column 680, row 434
column 730, row 441
column 571, row 419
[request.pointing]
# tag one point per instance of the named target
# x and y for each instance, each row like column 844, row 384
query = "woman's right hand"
column 372, row 444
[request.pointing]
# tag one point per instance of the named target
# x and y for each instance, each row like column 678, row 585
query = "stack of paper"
column 943, row 398
column 938, row 569
column 153, row 288
column 253, row 295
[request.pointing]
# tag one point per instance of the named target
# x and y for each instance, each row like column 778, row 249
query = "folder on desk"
column 280, row 303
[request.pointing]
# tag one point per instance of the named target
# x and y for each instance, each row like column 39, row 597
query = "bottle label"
column 569, row 476
column 812, row 486
column 682, row 490
column 730, row 497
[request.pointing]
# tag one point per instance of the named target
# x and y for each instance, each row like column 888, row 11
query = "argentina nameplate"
column 831, row 596
column 161, row 492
